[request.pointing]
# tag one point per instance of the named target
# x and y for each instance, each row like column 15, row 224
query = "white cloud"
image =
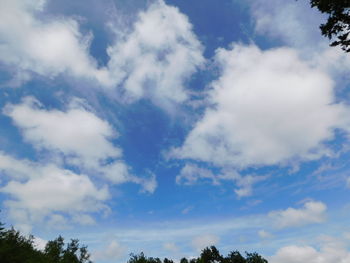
column 244, row 183
column 156, row 57
column 301, row 254
column 47, row 46
column 74, row 132
column 264, row 234
column 312, row 213
column 191, row 174
column 348, row 182
column 270, row 107
column 81, row 137
column 186, row 210
column 153, row 58
column 296, row 24
column 39, row 243
column 203, row 241
column 47, row 191
column 171, row 247
column 113, row 251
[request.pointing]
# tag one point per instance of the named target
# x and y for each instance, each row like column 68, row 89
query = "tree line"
column 18, row 248
column 208, row 255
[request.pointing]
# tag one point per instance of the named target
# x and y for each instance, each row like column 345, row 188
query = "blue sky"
column 168, row 126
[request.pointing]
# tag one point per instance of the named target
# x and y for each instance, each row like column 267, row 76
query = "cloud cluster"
column 312, row 212
column 157, row 56
column 113, row 251
column 47, row 46
column 203, row 241
column 296, row 25
column 329, row 252
column 74, row 137
column 270, row 107
column 43, row 191
column 191, row 174
column 153, row 58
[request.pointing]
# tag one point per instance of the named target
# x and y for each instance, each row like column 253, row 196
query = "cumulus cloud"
column 270, row 107
column 81, row 137
column 313, row 212
column 191, row 174
column 203, row 241
column 171, row 247
column 39, row 243
column 47, row 46
column 74, row 132
column 156, row 57
column 153, row 58
column 264, row 234
column 113, row 251
column 301, row 254
column 297, row 25
column 47, row 191
column 348, row 182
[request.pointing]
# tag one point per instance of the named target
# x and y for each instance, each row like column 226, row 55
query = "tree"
column 337, row 26
column 210, row 255
column 17, row 248
column 255, row 258
column 235, row 257
column 73, row 253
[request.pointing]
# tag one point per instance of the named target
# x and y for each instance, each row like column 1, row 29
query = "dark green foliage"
column 17, row 248
column 141, row 258
column 235, row 257
column 338, row 24
column 255, row 258
column 73, row 253
column 208, row 255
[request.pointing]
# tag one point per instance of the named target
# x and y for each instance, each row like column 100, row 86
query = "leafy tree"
column 255, row 258
column 167, row 261
column 235, row 257
column 210, row 255
column 17, row 248
column 140, row 258
column 73, row 253
column 338, row 24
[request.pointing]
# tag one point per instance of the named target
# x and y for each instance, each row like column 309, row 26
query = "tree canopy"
column 337, row 27
column 17, row 248
column 208, row 255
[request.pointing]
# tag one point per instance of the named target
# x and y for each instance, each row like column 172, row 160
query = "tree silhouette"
column 208, row 255
column 337, row 26
column 17, row 248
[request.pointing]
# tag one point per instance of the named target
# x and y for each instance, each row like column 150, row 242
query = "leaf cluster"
column 338, row 24
column 208, row 255
column 17, row 248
